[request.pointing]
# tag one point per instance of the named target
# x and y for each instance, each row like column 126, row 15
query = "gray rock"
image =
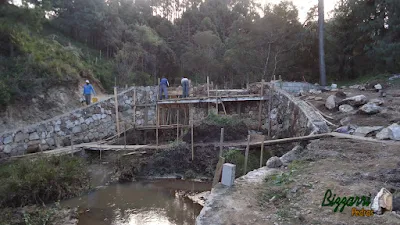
column 274, row 162
column 345, row 121
column 394, row 132
column 383, row 134
column 378, row 87
column 364, row 131
column 377, row 101
column 81, row 120
column 76, row 129
column 314, row 91
column 357, row 100
column 7, row 149
column 50, row 141
column 34, row 136
column 370, row 108
column 69, row 124
column 8, row 139
column 344, row 129
column 346, row 108
column 330, row 102
column 20, row 136
column 318, row 98
column 57, row 128
column 89, row 120
column 291, row 155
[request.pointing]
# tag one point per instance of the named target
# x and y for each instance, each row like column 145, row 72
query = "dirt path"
column 347, row 167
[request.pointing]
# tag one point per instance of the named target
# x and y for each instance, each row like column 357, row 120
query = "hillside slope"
column 42, row 71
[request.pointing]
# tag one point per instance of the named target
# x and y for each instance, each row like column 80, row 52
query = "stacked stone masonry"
column 92, row 123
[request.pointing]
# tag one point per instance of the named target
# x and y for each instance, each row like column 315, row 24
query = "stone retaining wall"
column 291, row 116
column 88, row 124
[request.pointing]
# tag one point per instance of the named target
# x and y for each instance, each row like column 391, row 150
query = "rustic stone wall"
column 291, row 116
column 91, row 123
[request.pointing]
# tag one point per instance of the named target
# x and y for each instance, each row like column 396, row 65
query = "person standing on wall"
column 88, row 90
column 164, row 84
column 185, row 87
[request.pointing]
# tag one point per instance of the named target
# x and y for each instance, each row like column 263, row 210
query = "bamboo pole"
column 260, row 107
column 262, row 151
column 221, row 142
column 191, row 131
column 246, row 156
column 116, row 111
column 218, row 171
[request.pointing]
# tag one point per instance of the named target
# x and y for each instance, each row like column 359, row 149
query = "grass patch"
column 277, row 186
column 27, row 182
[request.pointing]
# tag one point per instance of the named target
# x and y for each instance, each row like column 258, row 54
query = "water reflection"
column 145, row 203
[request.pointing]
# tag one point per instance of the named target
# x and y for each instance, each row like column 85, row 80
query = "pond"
column 140, row 203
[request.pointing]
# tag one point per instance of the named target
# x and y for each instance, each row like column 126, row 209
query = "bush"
column 237, row 157
column 43, row 180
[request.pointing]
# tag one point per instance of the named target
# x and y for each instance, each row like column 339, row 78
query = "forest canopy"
column 231, row 41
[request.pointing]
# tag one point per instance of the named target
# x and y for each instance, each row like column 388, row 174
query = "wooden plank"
column 192, row 142
column 116, row 111
column 218, row 171
column 246, row 155
column 292, row 139
column 221, row 142
column 262, row 151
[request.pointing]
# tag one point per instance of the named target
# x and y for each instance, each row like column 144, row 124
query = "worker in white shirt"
column 185, row 87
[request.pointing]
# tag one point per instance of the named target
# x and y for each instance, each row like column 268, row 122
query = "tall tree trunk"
column 267, row 61
column 322, row 72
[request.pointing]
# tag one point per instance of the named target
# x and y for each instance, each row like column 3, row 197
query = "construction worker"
column 164, row 84
column 185, row 87
column 88, row 90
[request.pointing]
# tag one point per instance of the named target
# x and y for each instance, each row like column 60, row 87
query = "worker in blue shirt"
column 163, row 87
column 88, row 90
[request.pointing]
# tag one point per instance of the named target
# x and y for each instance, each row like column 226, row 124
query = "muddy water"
column 142, row 203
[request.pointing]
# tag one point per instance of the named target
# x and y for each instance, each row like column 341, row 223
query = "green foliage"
column 221, row 120
column 237, row 158
column 42, row 180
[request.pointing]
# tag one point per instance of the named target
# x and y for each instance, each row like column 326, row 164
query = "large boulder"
column 330, row 102
column 357, row 100
column 292, row 154
column 384, row 134
column 394, row 132
column 370, row 108
column 274, row 162
column 364, row 131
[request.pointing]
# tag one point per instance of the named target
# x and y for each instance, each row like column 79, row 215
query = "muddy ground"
column 347, row 167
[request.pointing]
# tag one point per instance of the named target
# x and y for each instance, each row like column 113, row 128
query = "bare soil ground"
column 347, row 167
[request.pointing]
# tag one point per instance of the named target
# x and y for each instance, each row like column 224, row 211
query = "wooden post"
column 116, row 111
column 134, row 108
column 158, row 122
column 191, row 132
column 262, row 151
column 177, row 125
column 72, row 142
column 269, row 111
column 124, row 136
column 246, row 156
column 221, row 142
column 208, row 95
column 260, row 106
column 218, row 171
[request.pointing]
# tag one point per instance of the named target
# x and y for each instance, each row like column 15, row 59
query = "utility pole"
column 322, row 72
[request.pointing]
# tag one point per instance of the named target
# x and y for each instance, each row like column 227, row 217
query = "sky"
column 304, row 5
